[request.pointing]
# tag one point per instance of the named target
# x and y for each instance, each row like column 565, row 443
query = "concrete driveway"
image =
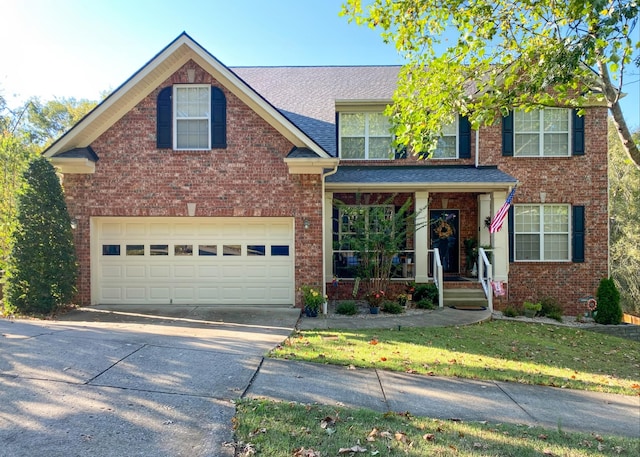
column 104, row 383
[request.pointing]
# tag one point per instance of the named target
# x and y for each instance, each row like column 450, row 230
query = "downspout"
column 324, row 234
column 477, row 147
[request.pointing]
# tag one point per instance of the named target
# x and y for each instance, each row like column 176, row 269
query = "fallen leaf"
column 373, row 342
column 327, row 422
column 548, row 452
column 383, row 359
column 348, row 450
column 302, row 452
column 429, row 437
column 257, row 432
column 543, row 437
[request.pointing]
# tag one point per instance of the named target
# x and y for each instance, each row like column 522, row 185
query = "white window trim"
column 541, row 134
column 175, row 116
column 456, row 134
column 541, row 233
column 366, row 136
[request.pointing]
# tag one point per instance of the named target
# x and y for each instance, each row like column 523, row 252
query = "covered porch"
column 451, row 243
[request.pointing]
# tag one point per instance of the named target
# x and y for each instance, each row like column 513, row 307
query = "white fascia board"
column 73, row 165
column 417, row 186
column 310, row 166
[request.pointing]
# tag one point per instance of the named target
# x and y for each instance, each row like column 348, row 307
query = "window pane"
column 110, row 249
column 527, row 247
column 183, row 249
column 556, row 219
column 446, row 148
column 379, row 125
column 192, row 102
column 231, row 249
column 256, row 249
column 135, row 249
column 159, row 249
column 208, row 249
column 192, row 134
column 527, row 144
column 379, row 148
column 527, row 219
column 526, row 122
column 556, row 144
column 556, row 247
column 280, row 250
column 556, row 120
column 352, row 148
column 450, row 129
column 352, row 124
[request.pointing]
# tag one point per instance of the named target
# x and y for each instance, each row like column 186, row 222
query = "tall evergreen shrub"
column 42, row 267
column 609, row 310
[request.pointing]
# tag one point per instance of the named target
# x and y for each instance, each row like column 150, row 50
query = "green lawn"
column 529, row 353
column 498, row 350
column 265, row 428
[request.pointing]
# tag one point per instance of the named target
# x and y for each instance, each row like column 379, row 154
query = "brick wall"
column 249, row 178
column 579, row 180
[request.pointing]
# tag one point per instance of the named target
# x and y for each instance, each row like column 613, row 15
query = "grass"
column 527, row 353
column 268, row 428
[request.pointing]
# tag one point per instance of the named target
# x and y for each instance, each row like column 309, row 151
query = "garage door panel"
column 258, row 267
column 135, row 271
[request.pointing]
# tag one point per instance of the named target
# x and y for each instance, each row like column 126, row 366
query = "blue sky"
column 80, row 48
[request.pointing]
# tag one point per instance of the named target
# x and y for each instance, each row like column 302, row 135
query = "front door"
column 444, row 235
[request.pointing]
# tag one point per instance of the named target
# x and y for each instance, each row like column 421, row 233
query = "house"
column 196, row 183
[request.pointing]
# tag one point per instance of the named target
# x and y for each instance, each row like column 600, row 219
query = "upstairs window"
column 447, row 143
column 542, row 132
column 364, row 136
column 192, row 120
column 191, row 117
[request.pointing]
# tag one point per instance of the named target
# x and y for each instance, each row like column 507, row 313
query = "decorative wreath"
column 592, row 304
column 443, row 229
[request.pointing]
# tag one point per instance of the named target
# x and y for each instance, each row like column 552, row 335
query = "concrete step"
column 456, row 297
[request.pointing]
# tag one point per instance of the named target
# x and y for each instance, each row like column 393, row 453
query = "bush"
column 510, row 311
column 608, row 311
column 392, row 307
column 425, row 292
column 425, row 304
column 550, row 307
column 348, row 308
column 42, row 267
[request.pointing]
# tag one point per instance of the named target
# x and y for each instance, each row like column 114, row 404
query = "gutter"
column 324, row 234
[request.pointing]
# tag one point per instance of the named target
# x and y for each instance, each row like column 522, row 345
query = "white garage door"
column 149, row 260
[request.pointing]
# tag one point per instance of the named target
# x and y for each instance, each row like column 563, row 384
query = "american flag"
column 496, row 223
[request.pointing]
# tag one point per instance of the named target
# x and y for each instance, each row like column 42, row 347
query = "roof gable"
column 151, row 75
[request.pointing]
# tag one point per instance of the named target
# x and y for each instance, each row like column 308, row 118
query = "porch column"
column 500, row 240
column 484, row 211
column 421, row 243
column 328, row 236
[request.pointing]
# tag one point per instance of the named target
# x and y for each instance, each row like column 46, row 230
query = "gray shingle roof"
column 307, row 95
column 418, row 174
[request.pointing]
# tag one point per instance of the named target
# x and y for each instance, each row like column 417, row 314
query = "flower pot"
column 310, row 312
column 530, row 313
column 374, row 309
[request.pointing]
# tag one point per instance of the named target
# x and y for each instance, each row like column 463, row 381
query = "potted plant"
column 375, row 299
column 531, row 309
column 402, row 300
column 312, row 299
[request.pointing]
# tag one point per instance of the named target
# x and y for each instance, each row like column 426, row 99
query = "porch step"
column 462, row 297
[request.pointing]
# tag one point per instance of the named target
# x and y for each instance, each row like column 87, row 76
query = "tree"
column 507, row 54
column 608, row 311
column 42, row 268
column 49, row 120
column 624, row 210
column 15, row 154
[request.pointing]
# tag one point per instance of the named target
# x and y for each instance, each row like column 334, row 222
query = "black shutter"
column 401, row 151
column 577, row 239
column 164, row 119
column 511, row 225
column 464, row 133
column 577, row 142
column 507, row 135
column 218, row 119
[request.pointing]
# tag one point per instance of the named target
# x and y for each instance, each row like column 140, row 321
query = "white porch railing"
column 437, row 276
column 485, row 275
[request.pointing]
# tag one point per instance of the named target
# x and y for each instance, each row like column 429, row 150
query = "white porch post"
column 484, row 211
column 328, row 236
column 500, row 258
column 421, row 245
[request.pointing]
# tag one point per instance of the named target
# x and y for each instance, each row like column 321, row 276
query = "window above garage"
column 191, row 117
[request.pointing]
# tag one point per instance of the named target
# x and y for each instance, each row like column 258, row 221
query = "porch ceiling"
column 423, row 177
